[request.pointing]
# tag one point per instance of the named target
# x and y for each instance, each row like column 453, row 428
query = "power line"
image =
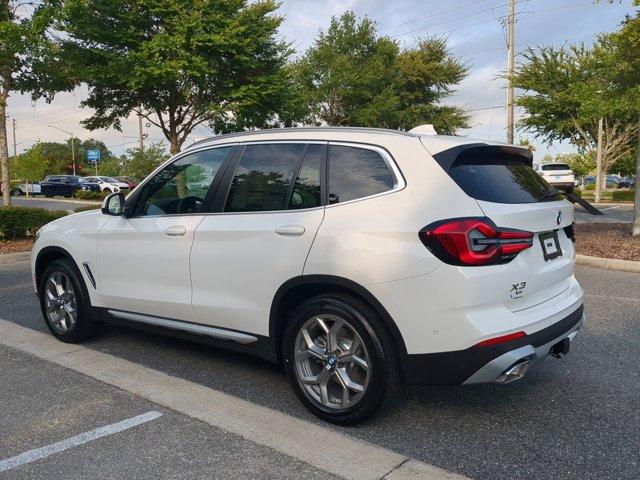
column 432, row 15
column 452, row 20
column 543, row 10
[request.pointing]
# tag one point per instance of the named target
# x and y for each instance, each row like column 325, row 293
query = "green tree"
column 352, row 77
column 581, row 164
column 45, row 158
column 108, row 164
column 179, row 64
column 26, row 56
column 138, row 164
column 623, row 47
column 566, row 91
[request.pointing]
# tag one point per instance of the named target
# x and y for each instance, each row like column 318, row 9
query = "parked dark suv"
column 65, row 185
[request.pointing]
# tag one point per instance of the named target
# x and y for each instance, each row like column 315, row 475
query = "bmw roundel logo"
column 559, row 217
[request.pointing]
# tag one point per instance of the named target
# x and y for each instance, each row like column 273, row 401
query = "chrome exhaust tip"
column 514, row 372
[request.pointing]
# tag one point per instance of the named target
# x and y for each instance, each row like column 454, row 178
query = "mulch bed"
column 608, row 240
column 13, row 246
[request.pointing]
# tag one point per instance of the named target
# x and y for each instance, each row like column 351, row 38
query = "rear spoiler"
column 482, row 153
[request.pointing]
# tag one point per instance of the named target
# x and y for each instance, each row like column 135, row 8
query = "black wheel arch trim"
column 58, row 250
column 343, row 284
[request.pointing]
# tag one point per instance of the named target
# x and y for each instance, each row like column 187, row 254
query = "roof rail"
column 298, row 129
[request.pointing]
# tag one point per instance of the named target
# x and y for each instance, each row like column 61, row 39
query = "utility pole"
column 510, row 71
column 140, row 132
column 599, row 163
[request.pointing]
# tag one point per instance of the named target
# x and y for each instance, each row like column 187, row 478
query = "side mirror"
column 113, row 204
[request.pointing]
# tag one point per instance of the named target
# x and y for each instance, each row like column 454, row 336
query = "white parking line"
column 46, row 451
column 341, row 455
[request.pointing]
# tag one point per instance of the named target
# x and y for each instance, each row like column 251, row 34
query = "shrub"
column 577, row 192
column 85, row 208
column 22, row 222
column 590, row 186
column 623, row 196
column 86, row 195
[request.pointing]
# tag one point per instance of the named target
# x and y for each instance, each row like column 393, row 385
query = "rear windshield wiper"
column 550, row 194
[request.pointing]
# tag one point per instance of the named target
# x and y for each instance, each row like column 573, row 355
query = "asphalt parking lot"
column 577, row 418
column 50, row 203
column 611, row 213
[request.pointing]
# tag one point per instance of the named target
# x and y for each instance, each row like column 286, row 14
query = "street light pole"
column 73, row 147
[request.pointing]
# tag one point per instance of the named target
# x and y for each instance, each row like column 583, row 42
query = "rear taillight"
column 474, row 241
column 570, row 232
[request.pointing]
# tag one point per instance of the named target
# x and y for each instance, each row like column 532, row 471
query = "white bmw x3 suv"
column 359, row 258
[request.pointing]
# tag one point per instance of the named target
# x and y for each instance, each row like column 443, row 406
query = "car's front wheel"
column 65, row 302
column 340, row 359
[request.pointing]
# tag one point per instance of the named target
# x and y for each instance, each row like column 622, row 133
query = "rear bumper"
column 487, row 364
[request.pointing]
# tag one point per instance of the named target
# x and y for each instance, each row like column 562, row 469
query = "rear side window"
column 306, row 190
column 494, row 175
column 263, row 177
column 556, row 166
column 356, row 173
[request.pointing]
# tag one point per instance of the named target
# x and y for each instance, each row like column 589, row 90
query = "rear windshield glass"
column 493, row 176
column 556, row 166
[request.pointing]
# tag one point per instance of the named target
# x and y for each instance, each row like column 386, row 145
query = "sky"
column 474, row 29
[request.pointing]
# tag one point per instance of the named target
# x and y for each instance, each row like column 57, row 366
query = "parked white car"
column 33, row 188
column 359, row 258
column 108, row 183
column 559, row 175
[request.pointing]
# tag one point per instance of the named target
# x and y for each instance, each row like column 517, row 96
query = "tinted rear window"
column 492, row 175
column 556, row 166
column 356, row 173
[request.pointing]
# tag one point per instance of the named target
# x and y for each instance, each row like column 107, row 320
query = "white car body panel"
column 76, row 234
column 236, row 291
column 141, row 269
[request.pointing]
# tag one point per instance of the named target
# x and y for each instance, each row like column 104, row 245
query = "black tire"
column 84, row 327
column 384, row 378
column 569, row 190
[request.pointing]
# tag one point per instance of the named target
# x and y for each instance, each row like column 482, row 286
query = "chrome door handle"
column 175, row 231
column 290, row 230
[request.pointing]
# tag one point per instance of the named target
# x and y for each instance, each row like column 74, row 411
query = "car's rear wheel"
column 65, row 302
column 339, row 358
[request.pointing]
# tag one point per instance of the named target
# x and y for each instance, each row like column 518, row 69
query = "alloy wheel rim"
column 331, row 362
column 60, row 302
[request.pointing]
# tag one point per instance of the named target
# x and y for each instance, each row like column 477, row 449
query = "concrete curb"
column 608, row 263
column 40, row 198
column 8, row 258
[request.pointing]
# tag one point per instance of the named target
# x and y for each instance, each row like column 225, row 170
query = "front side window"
column 181, row 186
column 356, row 173
column 263, row 177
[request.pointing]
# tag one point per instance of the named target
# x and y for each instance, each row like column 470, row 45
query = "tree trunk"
column 636, row 204
column 4, row 151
